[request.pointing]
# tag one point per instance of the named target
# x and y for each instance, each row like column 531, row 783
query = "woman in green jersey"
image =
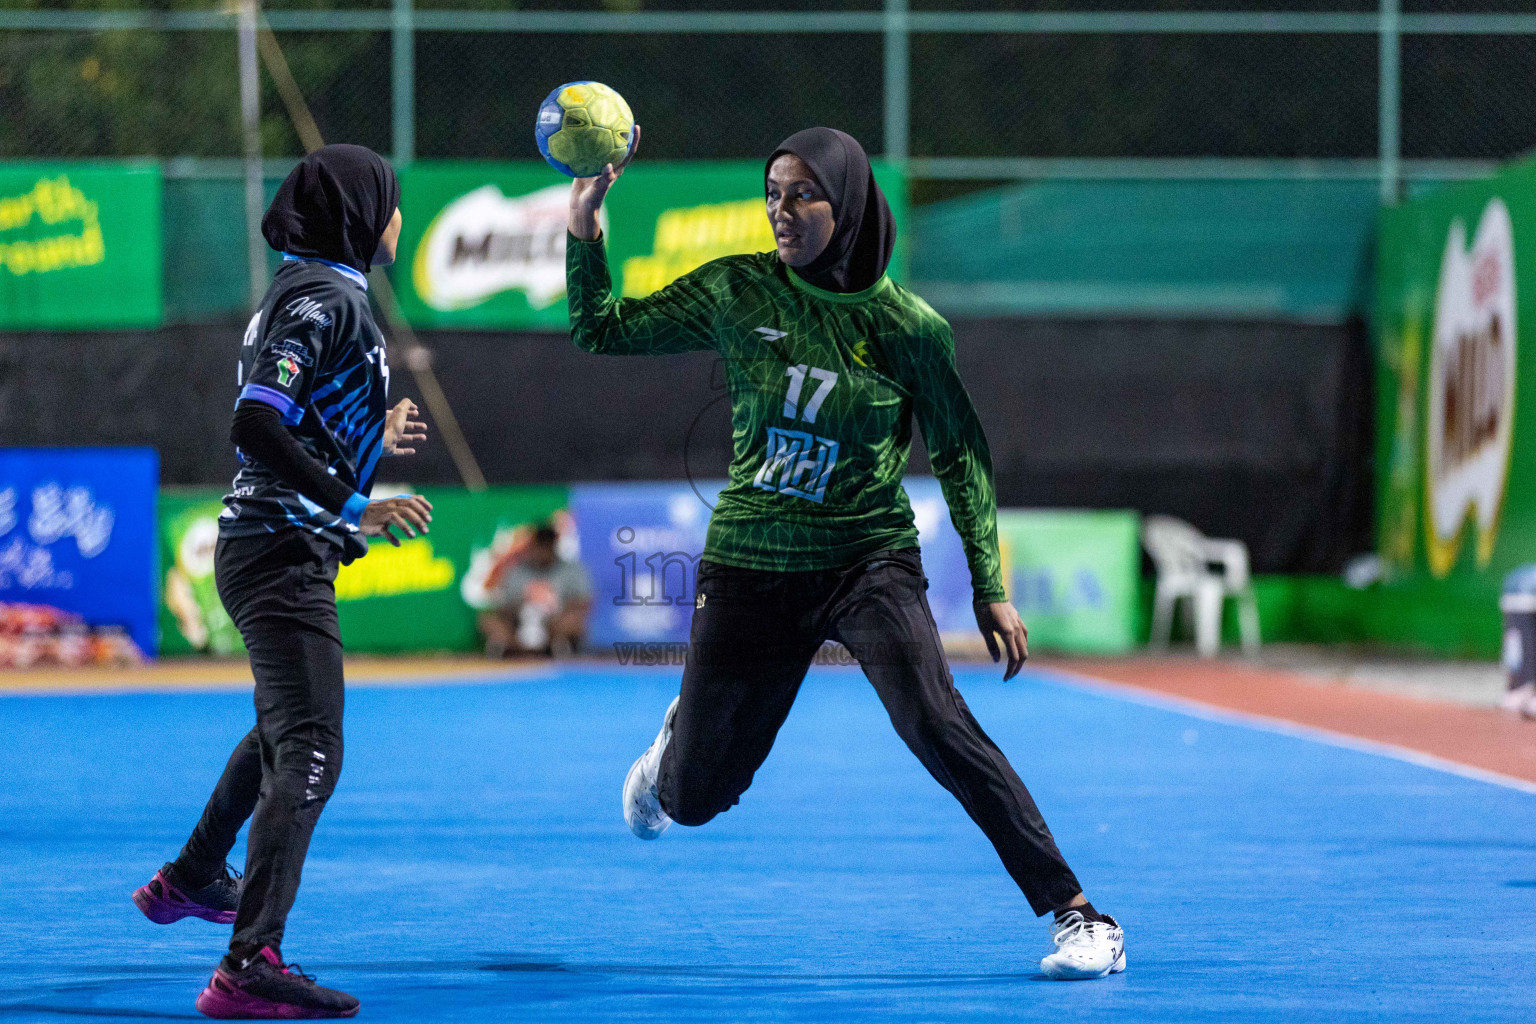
column 827, row 361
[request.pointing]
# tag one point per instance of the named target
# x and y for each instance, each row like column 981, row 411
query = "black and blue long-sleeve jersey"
column 314, row 353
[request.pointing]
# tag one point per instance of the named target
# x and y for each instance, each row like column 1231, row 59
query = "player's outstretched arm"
column 678, row 318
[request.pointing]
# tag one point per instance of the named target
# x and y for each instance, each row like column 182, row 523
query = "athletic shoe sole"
column 635, row 781
column 222, row 1000
column 1065, row 973
column 167, row 909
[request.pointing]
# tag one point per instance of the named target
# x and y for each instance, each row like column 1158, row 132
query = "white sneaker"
column 1517, row 698
column 1085, row 949
column 642, row 805
column 1528, row 709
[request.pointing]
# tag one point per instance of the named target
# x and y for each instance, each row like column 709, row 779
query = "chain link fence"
column 719, row 96
column 1301, row 95
column 1146, row 96
column 1468, row 97
column 176, row 94
column 102, row 94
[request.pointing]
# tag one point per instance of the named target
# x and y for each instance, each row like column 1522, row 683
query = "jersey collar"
column 880, row 287
column 350, row 273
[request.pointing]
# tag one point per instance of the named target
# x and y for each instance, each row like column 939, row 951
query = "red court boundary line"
column 1486, row 744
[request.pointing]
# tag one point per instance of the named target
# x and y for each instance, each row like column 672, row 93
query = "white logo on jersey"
column 251, row 330
column 376, row 355
column 309, row 309
column 769, row 333
column 798, row 464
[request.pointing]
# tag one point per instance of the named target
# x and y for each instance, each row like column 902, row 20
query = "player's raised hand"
column 587, row 194
column 1000, row 619
column 408, row 513
column 402, row 426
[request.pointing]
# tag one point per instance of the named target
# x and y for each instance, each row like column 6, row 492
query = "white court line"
column 1283, row 727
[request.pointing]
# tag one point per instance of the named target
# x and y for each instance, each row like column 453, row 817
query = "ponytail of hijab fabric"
column 864, row 233
column 334, row 206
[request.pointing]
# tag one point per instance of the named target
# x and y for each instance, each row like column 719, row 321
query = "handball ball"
column 583, row 127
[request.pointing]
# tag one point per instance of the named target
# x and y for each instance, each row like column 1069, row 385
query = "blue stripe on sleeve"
column 366, row 476
column 352, row 511
column 285, row 406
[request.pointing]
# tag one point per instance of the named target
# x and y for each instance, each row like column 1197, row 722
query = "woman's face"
column 389, row 239
column 799, row 211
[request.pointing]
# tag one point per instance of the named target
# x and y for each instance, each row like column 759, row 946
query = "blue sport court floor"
column 474, row 866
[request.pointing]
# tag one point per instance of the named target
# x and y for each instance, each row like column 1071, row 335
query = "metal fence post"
column 403, row 66
column 250, row 123
column 898, row 69
column 1389, row 99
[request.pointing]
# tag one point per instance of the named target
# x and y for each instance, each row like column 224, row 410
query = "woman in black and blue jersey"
column 310, row 424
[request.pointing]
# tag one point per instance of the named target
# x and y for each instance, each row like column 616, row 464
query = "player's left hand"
column 1000, row 619
column 401, row 425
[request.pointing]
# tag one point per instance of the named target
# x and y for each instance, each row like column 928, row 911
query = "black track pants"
column 279, row 592
column 754, row 636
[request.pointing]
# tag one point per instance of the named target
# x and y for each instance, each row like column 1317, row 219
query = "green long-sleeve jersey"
column 823, row 389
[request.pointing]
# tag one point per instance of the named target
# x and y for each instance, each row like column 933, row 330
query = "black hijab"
column 865, row 232
column 334, row 206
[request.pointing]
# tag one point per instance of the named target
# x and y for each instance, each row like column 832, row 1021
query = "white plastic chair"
column 1207, row 572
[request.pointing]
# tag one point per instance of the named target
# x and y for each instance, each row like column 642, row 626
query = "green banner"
column 1456, row 285
column 484, row 243
column 406, row 598
column 79, row 245
column 1074, row 576
column 191, row 617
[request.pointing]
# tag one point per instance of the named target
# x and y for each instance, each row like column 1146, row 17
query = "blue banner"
column 949, row 578
column 641, row 542
column 77, row 534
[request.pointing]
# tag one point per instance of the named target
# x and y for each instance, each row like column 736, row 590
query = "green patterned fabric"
column 823, row 388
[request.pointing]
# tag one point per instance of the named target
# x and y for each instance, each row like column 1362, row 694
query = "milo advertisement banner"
column 192, row 619
column 414, row 597
column 79, row 245
column 1456, row 298
column 484, row 243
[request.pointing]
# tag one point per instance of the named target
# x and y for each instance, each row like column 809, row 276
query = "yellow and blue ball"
column 583, row 127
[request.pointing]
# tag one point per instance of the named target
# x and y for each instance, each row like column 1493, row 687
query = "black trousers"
column 754, row 637
column 279, row 590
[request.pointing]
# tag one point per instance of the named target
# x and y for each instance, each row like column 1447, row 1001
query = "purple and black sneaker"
column 263, row 988
column 164, row 899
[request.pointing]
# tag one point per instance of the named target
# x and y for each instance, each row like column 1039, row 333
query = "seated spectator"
column 539, row 601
